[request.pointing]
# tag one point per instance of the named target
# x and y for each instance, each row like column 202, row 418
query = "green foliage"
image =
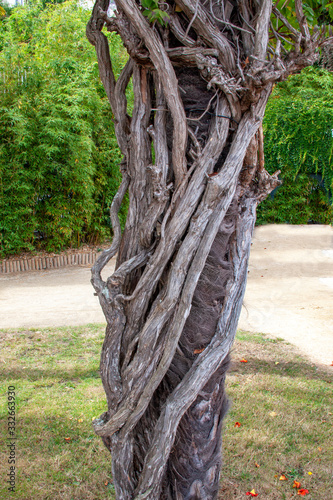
column 298, row 141
column 317, row 13
column 5, row 9
column 58, row 155
column 154, row 13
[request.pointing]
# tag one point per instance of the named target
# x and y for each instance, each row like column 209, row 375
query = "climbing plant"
column 194, row 171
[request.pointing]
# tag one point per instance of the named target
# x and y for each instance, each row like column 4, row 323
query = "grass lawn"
column 282, row 402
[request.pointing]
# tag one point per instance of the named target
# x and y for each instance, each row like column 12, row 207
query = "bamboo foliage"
column 58, row 153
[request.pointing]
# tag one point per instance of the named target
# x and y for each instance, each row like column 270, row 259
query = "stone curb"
column 41, row 263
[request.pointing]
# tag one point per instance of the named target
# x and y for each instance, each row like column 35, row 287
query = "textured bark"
column 201, row 85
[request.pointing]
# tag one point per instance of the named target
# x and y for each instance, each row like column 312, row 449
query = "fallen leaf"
column 251, row 493
column 243, row 360
column 283, row 478
column 198, row 351
column 302, row 492
column 237, row 424
column 245, row 62
column 296, row 484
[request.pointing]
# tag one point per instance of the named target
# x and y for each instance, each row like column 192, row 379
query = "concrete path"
column 290, row 287
column 289, row 292
column 54, row 297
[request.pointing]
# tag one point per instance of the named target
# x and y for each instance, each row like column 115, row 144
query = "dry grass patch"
column 284, row 405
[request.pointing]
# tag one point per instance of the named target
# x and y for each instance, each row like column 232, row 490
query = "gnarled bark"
column 194, row 177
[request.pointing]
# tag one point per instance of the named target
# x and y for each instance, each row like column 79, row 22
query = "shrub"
column 59, row 158
column 298, row 129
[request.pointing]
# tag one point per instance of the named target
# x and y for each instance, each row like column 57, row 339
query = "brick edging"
column 41, row 263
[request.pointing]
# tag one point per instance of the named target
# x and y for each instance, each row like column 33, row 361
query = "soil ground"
column 289, row 291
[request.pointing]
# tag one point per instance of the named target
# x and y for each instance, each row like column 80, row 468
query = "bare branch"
column 179, row 33
column 193, row 18
column 261, row 36
column 190, row 119
column 168, row 78
column 292, row 31
column 107, row 255
column 261, row 149
column 100, row 42
column 302, row 20
column 227, row 23
column 188, row 56
column 208, row 31
column 122, row 121
column 278, row 36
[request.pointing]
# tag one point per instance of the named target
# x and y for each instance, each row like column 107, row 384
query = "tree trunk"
column 194, row 170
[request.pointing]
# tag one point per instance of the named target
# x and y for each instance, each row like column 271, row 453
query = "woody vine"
column 193, row 168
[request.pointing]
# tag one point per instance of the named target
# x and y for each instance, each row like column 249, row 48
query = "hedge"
column 298, row 129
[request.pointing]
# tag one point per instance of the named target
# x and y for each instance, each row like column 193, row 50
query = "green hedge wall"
column 58, row 154
column 298, row 129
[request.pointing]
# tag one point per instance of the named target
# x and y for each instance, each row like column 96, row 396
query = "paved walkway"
column 54, row 297
column 289, row 292
column 290, row 287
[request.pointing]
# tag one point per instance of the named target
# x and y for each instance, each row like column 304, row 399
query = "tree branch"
column 208, row 31
column 177, row 30
column 101, row 44
column 168, row 78
column 302, row 20
column 107, row 255
column 262, row 27
column 293, row 33
column 122, row 120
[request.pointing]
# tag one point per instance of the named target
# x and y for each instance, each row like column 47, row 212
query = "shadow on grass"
column 293, row 369
column 34, row 374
